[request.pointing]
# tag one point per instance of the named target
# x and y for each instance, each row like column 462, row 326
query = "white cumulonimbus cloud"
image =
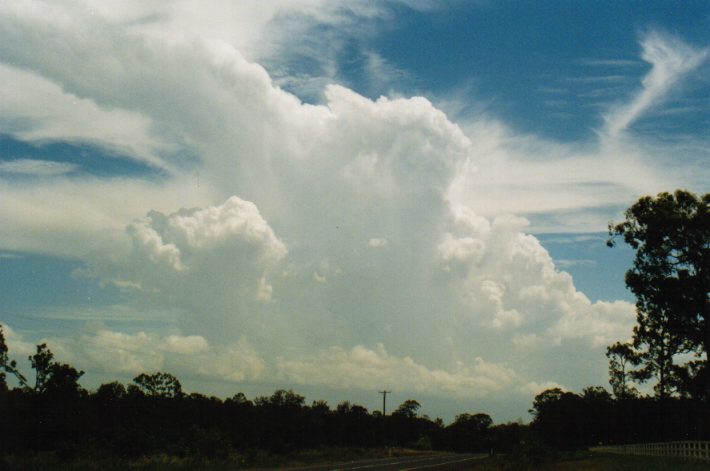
column 344, row 244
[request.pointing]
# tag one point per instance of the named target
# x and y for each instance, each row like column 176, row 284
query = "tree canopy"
column 7, row 365
column 670, row 277
column 158, row 385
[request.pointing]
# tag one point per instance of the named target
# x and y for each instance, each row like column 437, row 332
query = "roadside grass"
column 588, row 461
column 574, row 461
column 254, row 459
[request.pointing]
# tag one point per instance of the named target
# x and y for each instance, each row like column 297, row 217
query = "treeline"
column 153, row 415
column 670, row 277
column 567, row 421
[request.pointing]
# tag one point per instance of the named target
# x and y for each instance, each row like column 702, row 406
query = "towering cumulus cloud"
column 346, row 244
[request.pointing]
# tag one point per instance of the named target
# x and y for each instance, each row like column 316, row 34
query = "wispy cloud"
column 34, row 108
column 383, row 75
column 566, row 263
column 671, row 59
column 600, row 79
column 615, row 63
column 36, row 168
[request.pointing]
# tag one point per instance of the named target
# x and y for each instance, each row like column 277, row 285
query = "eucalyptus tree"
column 670, row 277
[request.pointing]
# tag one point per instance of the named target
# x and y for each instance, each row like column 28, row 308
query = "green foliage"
column 320, row 407
column 508, row 437
column 4, row 360
column 52, row 377
column 346, row 408
column 479, row 421
column 239, row 399
column 423, row 443
column 622, row 357
column 7, row 365
column 408, row 409
column 282, row 398
column 41, row 362
column 692, row 379
column 158, row 385
column 568, row 421
column 63, row 380
column 670, row 278
column 470, row 433
column 110, row 393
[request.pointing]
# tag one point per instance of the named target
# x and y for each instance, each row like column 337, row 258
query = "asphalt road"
column 437, row 462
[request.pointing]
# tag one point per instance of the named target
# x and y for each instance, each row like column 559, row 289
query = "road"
column 437, row 462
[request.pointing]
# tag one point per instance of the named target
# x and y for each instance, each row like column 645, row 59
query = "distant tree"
column 53, row 377
column 108, row 399
column 282, row 399
column 7, row 365
column 478, row 421
column 239, row 399
column 622, row 357
column 159, row 385
column 670, row 276
column 657, row 344
column 4, row 361
column 598, row 411
column 110, row 393
column 596, row 394
column 356, row 410
column 508, row 437
column 471, row 432
column 559, row 417
column 544, row 400
column 280, row 418
column 343, row 408
column 63, row 380
column 407, row 409
column 350, row 410
column 41, row 362
column 113, row 390
column 320, row 406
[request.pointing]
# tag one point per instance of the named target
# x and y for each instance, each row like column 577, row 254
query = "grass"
column 236, row 461
column 588, row 461
column 576, row 461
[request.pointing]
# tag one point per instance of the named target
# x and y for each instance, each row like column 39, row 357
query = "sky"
column 339, row 197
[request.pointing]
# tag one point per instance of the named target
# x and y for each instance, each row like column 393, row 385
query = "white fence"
column 690, row 450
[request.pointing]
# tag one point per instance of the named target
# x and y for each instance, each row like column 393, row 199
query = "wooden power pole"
column 384, row 402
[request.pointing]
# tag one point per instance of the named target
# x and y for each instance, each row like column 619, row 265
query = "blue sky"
column 337, row 197
column 524, row 60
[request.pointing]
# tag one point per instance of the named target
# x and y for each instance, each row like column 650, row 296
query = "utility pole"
column 384, row 402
